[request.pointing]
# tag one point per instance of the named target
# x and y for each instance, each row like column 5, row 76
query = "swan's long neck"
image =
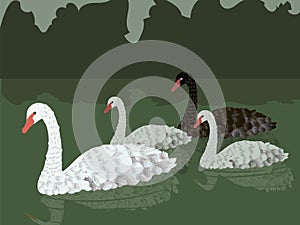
column 212, row 144
column 191, row 83
column 190, row 114
column 121, row 127
column 53, row 163
column 191, row 110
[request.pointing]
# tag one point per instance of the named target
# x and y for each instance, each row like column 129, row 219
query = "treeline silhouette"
column 244, row 42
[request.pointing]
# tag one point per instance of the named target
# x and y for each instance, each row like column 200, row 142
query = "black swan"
column 240, row 122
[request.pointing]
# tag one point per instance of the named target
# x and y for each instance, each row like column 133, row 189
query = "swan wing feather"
column 158, row 136
column 111, row 166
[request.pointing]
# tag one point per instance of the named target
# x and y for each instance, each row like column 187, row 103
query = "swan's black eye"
column 34, row 113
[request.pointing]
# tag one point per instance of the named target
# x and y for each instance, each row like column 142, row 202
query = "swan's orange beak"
column 28, row 124
column 199, row 121
column 176, row 85
column 108, row 107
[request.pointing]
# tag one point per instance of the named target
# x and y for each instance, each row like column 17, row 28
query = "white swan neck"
column 121, row 127
column 53, row 162
column 211, row 147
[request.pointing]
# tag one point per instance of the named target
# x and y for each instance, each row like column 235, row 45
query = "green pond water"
column 267, row 195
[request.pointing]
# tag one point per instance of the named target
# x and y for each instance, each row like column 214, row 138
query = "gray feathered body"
column 239, row 122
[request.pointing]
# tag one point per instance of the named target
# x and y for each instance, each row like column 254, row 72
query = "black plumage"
column 231, row 122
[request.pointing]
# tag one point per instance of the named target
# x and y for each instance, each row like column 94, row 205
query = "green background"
column 253, row 53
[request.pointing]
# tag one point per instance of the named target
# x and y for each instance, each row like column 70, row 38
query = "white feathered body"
column 103, row 168
column 245, row 155
column 156, row 136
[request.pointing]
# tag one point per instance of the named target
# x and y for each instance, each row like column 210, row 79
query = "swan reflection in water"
column 127, row 197
column 272, row 178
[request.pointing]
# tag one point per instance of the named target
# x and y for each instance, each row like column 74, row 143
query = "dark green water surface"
column 267, row 195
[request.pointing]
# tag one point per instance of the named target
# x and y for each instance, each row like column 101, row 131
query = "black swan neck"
column 191, row 83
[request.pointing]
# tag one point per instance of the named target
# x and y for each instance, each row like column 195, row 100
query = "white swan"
column 241, row 154
column 108, row 166
column 158, row 136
